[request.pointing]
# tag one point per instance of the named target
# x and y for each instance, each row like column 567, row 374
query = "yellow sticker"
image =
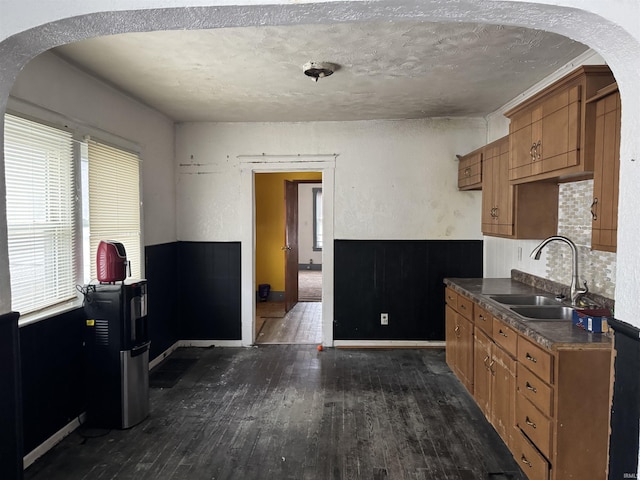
column 91, row 323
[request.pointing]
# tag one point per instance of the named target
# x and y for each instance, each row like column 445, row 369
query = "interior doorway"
column 288, row 257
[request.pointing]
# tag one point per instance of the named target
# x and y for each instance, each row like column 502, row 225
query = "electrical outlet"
column 384, row 319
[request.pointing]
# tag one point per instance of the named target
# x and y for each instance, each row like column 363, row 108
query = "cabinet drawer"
column 465, row 307
column 505, row 336
column 483, row 319
column 532, row 463
column 451, row 298
column 534, row 424
column 534, row 389
column 536, row 359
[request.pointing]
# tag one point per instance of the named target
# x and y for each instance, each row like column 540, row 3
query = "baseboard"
column 310, row 266
column 51, row 442
column 210, row 343
column 388, row 344
column 163, row 355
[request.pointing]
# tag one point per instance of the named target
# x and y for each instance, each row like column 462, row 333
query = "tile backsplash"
column 597, row 268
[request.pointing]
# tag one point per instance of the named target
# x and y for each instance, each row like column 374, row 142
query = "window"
column 114, row 203
column 41, row 212
column 45, row 233
column 317, row 219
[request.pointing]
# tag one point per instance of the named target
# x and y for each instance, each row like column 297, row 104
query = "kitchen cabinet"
column 470, row 171
column 459, row 337
column 604, row 208
column 549, row 404
column 551, row 134
column 527, row 211
column 482, row 373
column 494, row 384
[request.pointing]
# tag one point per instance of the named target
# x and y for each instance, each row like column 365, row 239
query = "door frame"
column 249, row 166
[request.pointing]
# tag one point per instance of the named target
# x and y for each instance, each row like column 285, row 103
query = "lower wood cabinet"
column 459, row 338
column 550, row 406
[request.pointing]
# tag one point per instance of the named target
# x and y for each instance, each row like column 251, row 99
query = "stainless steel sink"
column 525, row 300
column 544, row 312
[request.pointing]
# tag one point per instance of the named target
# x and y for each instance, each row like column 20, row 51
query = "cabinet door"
column 464, row 352
column 503, row 191
column 481, row 371
column 503, row 395
column 604, row 210
column 521, row 152
column 450, row 337
column 559, row 137
column 470, row 171
column 488, row 187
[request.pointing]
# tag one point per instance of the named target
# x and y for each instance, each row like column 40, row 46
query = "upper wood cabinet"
column 606, row 170
column 527, row 211
column 552, row 133
column 470, row 171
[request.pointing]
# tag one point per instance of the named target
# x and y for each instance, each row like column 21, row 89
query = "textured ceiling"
column 387, row 70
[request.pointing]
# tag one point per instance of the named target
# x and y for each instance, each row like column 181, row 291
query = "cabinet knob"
column 467, row 172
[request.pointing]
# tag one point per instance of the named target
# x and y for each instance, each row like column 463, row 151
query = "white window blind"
column 39, row 176
column 114, row 202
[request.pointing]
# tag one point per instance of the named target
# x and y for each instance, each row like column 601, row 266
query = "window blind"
column 39, row 177
column 114, row 202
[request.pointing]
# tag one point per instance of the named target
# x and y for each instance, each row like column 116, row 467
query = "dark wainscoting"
column 161, row 262
column 209, row 275
column 11, row 447
column 402, row 278
column 52, row 375
column 625, row 412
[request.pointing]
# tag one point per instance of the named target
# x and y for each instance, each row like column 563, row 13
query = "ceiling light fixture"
column 316, row 70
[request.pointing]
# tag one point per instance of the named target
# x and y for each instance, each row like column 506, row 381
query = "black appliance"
column 117, row 353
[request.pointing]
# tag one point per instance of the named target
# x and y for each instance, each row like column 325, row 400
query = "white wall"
column 50, row 85
column 393, row 179
column 305, row 224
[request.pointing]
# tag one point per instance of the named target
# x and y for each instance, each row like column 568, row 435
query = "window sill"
column 39, row 316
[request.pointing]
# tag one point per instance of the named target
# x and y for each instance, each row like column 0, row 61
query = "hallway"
column 291, row 412
column 301, row 325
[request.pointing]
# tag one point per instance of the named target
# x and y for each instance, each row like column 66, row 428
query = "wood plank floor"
column 291, row 412
column 301, row 325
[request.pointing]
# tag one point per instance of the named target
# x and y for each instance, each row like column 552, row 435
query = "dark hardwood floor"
column 291, row 412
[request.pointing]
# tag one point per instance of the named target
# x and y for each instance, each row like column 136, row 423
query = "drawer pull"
column 502, row 333
column 457, row 331
column 524, row 460
column 481, row 317
column 485, row 362
column 493, row 372
column 532, row 388
column 462, row 306
column 529, row 422
column 530, row 358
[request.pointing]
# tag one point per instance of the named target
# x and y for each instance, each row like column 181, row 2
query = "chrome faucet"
column 576, row 293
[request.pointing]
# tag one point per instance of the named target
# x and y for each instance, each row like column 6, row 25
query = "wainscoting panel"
column 625, row 412
column 11, row 449
column 52, row 375
column 163, row 296
column 402, row 278
column 209, row 275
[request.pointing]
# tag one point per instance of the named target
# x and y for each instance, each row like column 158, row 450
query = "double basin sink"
column 535, row 307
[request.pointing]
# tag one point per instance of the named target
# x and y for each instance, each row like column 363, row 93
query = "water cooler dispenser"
column 117, row 352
